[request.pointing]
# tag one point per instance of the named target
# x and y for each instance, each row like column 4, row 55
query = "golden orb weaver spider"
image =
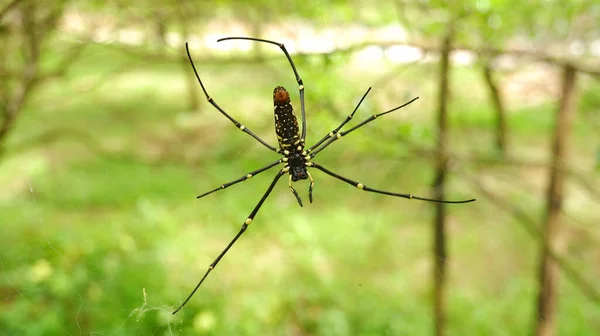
column 296, row 160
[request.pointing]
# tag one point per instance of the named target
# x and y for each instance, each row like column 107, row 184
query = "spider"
column 296, row 159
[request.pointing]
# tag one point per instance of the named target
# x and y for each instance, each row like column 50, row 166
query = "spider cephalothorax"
column 296, row 160
column 297, row 164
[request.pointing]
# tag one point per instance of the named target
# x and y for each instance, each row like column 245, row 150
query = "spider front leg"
column 239, row 234
column 336, row 130
column 215, row 105
column 298, row 79
column 331, row 139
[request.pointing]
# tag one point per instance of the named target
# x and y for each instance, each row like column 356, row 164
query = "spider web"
column 24, row 273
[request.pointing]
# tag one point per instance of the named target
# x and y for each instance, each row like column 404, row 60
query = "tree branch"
column 569, row 271
column 13, row 106
column 8, row 7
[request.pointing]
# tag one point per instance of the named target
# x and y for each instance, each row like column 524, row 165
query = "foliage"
column 101, row 233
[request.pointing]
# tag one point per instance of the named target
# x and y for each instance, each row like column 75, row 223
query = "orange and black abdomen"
column 286, row 124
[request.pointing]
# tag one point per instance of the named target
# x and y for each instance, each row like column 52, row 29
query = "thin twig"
column 530, row 226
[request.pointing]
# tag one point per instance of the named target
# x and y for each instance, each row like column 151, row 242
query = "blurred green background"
column 107, row 139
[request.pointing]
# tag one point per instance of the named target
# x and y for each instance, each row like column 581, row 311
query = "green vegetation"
column 88, row 231
column 101, row 234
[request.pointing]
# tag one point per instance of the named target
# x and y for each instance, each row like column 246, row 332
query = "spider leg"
column 310, row 188
column 294, row 192
column 243, row 178
column 334, row 132
column 213, row 103
column 298, row 79
column 389, row 193
column 364, row 122
column 242, row 230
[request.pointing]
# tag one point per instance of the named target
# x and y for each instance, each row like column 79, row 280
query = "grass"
column 87, row 231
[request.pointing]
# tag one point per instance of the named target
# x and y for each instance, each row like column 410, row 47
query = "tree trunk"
column 15, row 98
column 546, row 303
column 496, row 97
column 439, row 245
column 190, row 78
column 192, row 86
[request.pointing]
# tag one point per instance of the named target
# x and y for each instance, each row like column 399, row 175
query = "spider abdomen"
column 286, row 124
